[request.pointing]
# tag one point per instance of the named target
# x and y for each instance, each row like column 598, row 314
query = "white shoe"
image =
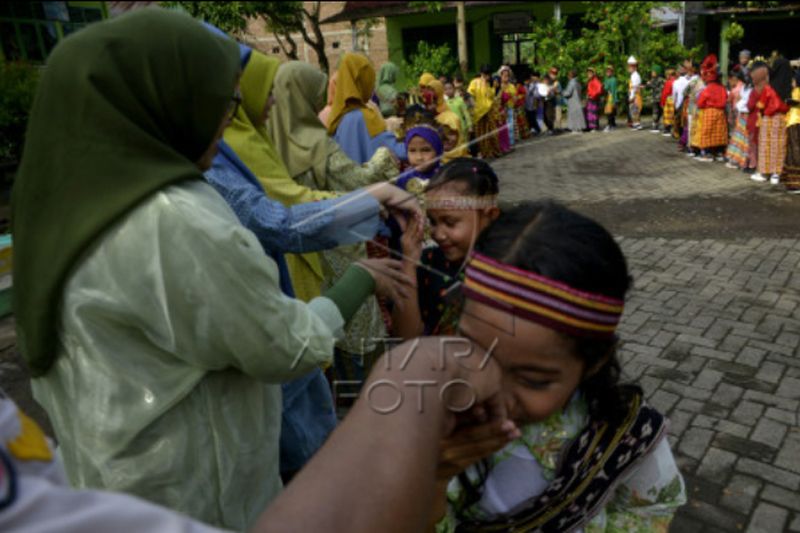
column 690, row 154
column 796, row 191
column 719, row 159
column 667, row 134
column 758, row 177
column 730, row 165
column 774, row 179
column 705, row 159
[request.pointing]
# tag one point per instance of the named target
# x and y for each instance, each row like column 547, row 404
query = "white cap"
column 632, row 61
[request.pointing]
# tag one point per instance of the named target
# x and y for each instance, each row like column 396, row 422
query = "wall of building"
column 338, row 38
column 484, row 46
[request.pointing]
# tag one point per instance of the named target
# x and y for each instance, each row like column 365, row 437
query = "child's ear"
column 595, row 368
column 492, row 213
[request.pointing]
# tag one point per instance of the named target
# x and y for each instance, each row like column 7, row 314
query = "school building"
column 29, row 30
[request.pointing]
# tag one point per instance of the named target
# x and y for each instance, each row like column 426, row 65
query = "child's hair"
column 416, row 114
column 476, row 174
column 458, row 77
column 486, row 69
column 551, row 240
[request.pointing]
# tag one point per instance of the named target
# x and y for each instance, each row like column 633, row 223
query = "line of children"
column 751, row 126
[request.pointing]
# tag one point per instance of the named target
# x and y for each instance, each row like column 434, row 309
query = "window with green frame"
column 30, row 30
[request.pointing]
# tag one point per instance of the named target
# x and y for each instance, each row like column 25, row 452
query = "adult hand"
column 390, row 281
column 469, row 444
column 400, row 203
column 393, row 124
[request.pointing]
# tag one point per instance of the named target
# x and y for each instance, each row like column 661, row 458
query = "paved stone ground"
column 713, row 325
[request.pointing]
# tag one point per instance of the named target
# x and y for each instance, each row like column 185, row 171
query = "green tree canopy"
column 612, row 32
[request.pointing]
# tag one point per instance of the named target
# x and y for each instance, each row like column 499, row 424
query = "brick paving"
column 712, row 328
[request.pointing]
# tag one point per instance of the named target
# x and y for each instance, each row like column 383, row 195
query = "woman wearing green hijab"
column 386, row 90
column 316, row 161
column 152, row 321
column 247, row 136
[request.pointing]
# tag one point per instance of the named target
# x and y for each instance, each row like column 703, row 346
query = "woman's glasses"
column 233, row 107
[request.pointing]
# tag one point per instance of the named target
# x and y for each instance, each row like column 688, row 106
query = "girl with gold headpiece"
column 461, row 201
column 358, row 127
column 544, row 291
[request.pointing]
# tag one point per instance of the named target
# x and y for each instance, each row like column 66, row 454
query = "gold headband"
column 463, row 203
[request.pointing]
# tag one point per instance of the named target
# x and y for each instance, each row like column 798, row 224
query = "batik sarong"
column 713, row 128
column 739, row 146
column 669, row 111
column 592, row 116
column 772, row 144
column 790, row 176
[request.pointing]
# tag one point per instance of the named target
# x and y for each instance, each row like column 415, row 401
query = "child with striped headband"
column 544, row 291
column 460, row 202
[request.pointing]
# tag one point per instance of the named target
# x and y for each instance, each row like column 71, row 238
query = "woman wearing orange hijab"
column 359, row 128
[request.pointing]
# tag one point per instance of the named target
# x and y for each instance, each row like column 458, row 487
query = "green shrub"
column 438, row 60
column 17, row 87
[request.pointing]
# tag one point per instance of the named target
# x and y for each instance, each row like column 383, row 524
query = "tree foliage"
column 611, row 32
column 17, row 87
column 283, row 19
column 438, row 60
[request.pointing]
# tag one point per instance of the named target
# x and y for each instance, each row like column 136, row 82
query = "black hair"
column 536, row 74
column 476, row 174
column 757, row 65
column 553, row 241
column 486, row 69
column 458, row 77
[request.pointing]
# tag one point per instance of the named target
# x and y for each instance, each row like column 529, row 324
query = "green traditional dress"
column 568, row 473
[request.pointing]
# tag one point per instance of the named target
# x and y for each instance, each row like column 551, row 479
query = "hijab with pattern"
column 110, row 125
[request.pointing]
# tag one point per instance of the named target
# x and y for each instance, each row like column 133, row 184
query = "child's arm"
column 406, row 319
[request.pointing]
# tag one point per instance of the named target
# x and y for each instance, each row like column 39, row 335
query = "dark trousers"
column 612, row 118
column 532, row 122
column 658, row 112
column 550, row 114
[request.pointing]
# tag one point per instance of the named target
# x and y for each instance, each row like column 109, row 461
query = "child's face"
column 449, row 90
column 653, row 74
column 456, row 230
column 540, row 368
column 609, row 73
column 450, row 139
column 421, row 154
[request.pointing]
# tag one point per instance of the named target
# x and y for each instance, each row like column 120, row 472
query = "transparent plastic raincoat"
column 174, row 337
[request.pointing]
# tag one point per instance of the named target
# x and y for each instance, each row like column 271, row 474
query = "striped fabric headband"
column 542, row 300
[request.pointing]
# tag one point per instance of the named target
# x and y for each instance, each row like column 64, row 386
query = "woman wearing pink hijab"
column 323, row 115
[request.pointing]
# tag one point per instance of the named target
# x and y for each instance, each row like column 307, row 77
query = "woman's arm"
column 396, row 443
column 307, row 227
column 344, row 174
